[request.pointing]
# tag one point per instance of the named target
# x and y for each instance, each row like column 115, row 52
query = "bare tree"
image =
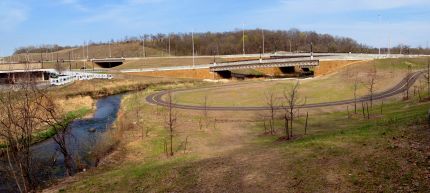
column 292, row 99
column 54, row 119
column 306, row 123
column 355, row 93
column 24, row 109
column 271, row 103
column 171, row 119
column 371, row 85
column 408, row 82
column 427, row 76
column 205, row 113
column 139, row 115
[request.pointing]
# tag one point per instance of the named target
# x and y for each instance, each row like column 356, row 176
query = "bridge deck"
column 276, row 63
column 108, row 60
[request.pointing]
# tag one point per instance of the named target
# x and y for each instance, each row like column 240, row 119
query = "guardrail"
column 69, row 77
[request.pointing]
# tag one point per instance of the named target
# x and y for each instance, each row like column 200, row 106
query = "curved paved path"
column 407, row 82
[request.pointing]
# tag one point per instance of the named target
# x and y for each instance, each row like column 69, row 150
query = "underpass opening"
column 226, row 74
column 108, row 64
column 307, row 72
column 288, row 70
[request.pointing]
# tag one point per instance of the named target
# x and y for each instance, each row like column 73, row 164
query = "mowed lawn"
column 339, row 86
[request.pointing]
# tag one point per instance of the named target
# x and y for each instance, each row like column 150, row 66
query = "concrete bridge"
column 108, row 62
column 271, row 67
column 275, row 63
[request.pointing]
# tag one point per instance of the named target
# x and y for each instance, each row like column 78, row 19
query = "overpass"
column 271, row 67
column 108, row 62
column 274, row 63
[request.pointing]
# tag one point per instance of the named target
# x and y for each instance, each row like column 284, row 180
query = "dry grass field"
column 125, row 50
column 333, row 87
column 229, row 151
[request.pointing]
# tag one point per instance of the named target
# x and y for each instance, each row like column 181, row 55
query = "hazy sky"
column 71, row 22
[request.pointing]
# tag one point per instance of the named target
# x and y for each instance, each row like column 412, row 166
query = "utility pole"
column 143, row 46
column 427, row 48
column 389, row 44
column 110, row 51
column 401, row 47
column 83, row 51
column 379, row 22
column 192, row 39
column 88, row 53
column 70, row 61
column 2, row 58
column 243, row 38
column 290, row 46
column 169, row 45
column 312, row 51
column 83, row 56
column 41, row 59
column 262, row 32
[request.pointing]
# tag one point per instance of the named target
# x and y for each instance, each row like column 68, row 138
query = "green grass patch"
column 52, row 130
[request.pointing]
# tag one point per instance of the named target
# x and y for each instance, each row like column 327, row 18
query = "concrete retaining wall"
column 191, row 73
column 327, row 67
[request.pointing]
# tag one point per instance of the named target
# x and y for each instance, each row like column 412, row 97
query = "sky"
column 71, row 22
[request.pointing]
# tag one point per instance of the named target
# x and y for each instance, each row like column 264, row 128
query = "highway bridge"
column 108, row 62
column 273, row 63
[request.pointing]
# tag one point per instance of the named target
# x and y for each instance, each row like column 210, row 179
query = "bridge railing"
column 263, row 61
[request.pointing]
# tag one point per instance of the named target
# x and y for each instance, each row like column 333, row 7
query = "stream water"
column 81, row 139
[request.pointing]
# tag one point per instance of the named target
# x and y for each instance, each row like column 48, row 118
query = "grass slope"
column 339, row 86
column 387, row 153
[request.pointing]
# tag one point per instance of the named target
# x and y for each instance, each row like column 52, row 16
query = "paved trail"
column 406, row 83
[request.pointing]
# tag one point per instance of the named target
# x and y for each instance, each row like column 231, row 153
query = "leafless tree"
column 306, row 122
column 205, row 113
column 205, row 105
column 355, row 93
column 292, row 100
column 408, row 82
column 24, row 109
column 271, row 103
column 427, row 76
column 140, row 124
column 371, row 85
column 171, row 120
column 59, row 124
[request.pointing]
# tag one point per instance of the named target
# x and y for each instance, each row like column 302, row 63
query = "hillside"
column 125, row 49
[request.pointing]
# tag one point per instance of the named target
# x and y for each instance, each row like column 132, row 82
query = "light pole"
column 262, row 32
column 312, row 51
column 143, row 46
column 169, row 45
column 290, row 46
column 243, row 38
column 192, row 40
column 83, row 56
column 110, row 51
column 379, row 23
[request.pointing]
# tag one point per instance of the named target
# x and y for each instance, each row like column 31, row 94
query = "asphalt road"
column 406, row 83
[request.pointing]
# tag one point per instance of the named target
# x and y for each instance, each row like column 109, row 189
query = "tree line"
column 40, row 49
column 226, row 43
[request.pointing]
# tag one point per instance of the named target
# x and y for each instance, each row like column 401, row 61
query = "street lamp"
column 312, row 51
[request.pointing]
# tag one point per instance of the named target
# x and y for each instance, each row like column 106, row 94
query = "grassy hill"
column 132, row 49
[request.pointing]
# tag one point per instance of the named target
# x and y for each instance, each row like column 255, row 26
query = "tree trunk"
column 306, row 122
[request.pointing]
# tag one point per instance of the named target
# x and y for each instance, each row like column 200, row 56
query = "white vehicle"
column 69, row 77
